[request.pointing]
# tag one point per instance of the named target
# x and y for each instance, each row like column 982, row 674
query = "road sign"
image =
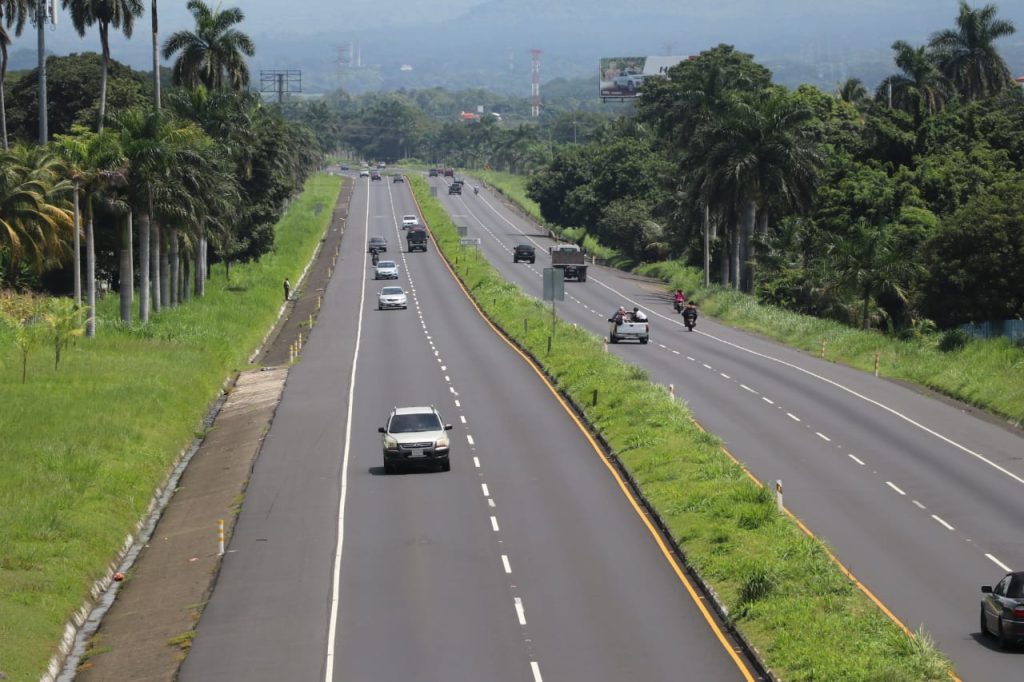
column 470, row 241
column 463, row 230
column 554, row 284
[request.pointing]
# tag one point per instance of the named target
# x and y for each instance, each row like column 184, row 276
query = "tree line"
column 895, row 209
column 152, row 188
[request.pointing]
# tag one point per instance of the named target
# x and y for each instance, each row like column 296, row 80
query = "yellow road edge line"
column 669, row 556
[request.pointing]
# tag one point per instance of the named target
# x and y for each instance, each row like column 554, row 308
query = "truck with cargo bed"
column 571, row 260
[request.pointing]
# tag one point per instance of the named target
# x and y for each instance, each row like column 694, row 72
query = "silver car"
column 392, row 297
column 410, row 221
column 415, row 436
column 386, row 269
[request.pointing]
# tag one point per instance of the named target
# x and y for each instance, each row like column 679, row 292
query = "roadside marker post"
column 220, row 537
column 878, row 357
column 672, row 390
column 778, row 494
column 823, row 349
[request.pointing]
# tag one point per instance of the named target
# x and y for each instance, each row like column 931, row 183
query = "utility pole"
column 535, row 83
column 41, row 20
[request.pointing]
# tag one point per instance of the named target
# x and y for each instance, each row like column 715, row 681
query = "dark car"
column 1002, row 609
column 374, row 175
column 378, row 244
column 433, row 173
column 455, row 188
column 344, row 167
column 398, row 178
column 523, row 252
column 449, row 172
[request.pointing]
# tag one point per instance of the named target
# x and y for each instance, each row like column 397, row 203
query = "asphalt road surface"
column 525, row 562
column 921, row 500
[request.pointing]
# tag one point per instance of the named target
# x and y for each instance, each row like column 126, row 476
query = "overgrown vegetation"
column 85, row 445
column 782, row 589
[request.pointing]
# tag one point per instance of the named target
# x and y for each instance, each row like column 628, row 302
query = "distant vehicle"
column 449, row 172
column 432, row 173
column 374, row 175
column 382, row 165
column 386, row 269
column 364, row 173
column 416, row 239
column 570, row 259
column 392, row 297
column 415, row 436
column 344, row 167
column 378, row 243
column 1002, row 609
column 524, row 252
column 455, row 188
column 410, row 220
column 398, row 178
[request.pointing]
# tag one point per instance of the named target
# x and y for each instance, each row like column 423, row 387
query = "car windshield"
column 410, row 423
column 409, row 217
column 385, row 264
column 391, row 291
column 377, row 240
column 1016, row 589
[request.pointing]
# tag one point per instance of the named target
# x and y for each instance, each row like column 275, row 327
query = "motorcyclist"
column 476, row 190
column 690, row 315
column 374, row 256
column 679, row 300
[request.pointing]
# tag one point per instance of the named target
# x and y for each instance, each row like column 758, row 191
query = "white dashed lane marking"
column 768, row 400
column 823, row 436
column 748, row 389
column 918, row 504
column 494, row 523
column 856, row 459
column 520, row 612
column 939, row 519
column 894, row 487
column 470, row 439
column 505, row 563
column 793, row 416
column 536, row 671
column 486, row 492
column 998, row 563
column 476, row 462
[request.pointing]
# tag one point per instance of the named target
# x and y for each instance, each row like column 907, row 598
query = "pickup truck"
column 416, row 239
column 570, row 259
column 636, row 331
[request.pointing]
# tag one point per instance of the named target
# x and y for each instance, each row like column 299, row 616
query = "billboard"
column 622, row 77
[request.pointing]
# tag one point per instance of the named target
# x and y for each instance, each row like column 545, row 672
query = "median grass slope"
column 781, row 588
column 85, row 446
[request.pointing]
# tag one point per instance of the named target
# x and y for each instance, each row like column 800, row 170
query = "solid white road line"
column 505, row 563
column 336, row 578
column 894, row 487
column 494, row 523
column 998, row 563
column 520, row 613
column 948, row 527
column 856, row 459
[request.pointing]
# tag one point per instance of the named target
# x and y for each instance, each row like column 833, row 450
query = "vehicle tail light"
column 648, row 328
column 1018, row 611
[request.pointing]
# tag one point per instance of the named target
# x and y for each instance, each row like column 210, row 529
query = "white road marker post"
column 220, row 537
column 299, row 346
column 878, row 357
column 778, row 494
column 672, row 390
column 823, row 349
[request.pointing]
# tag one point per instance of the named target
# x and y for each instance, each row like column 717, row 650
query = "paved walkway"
column 146, row 633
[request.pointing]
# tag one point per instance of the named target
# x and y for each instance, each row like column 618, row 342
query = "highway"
column 527, row 561
column 921, row 499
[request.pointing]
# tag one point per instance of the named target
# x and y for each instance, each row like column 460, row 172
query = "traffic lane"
column 272, row 592
column 599, row 599
column 421, row 595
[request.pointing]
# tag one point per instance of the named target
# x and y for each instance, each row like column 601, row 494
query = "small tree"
column 63, row 320
column 25, row 334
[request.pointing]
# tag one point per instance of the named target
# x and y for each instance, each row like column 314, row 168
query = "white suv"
column 409, row 221
column 386, row 269
column 415, row 436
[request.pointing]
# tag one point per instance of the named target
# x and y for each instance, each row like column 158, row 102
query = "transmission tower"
column 535, row 84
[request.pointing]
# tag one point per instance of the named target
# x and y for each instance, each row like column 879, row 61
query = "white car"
column 409, row 221
column 415, row 436
column 386, row 269
column 364, row 173
column 392, row 297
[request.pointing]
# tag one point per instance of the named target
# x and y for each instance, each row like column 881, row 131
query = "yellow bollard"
column 878, row 357
column 220, row 537
column 823, row 349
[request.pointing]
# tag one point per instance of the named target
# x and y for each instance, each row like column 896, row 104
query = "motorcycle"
column 690, row 323
column 476, row 190
column 374, row 257
column 679, row 305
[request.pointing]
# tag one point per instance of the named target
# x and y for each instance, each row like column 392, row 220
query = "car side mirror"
column 987, row 589
column 447, row 427
column 380, row 429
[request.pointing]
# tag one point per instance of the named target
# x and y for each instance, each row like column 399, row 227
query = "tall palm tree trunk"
column 736, row 241
column 125, row 274
column 104, row 39
column 165, row 271
column 748, row 217
column 3, row 102
column 175, row 269
column 144, row 230
column 186, row 290
column 78, row 248
column 154, row 266
column 90, row 274
column 156, row 58
column 131, row 258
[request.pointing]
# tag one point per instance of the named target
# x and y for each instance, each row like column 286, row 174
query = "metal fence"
column 993, row 329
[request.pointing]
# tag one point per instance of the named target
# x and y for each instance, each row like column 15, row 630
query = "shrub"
column 954, row 340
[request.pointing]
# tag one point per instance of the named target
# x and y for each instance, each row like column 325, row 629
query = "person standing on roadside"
column 287, row 288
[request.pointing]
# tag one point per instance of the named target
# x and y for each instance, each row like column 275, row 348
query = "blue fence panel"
column 992, row 329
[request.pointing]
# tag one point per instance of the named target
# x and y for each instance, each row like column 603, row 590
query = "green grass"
column 85, row 447
column 781, row 588
column 514, row 187
column 988, row 374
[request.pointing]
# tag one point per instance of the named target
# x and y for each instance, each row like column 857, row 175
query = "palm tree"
column 852, row 90
column 13, row 14
column 34, row 223
column 919, row 88
column 214, row 53
column 120, row 14
column 967, row 55
column 156, row 55
column 154, row 143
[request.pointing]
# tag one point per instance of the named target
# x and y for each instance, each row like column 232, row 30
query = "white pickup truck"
column 635, row 331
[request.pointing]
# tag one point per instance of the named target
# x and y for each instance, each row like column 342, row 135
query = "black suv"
column 524, row 252
column 455, row 188
column 377, row 243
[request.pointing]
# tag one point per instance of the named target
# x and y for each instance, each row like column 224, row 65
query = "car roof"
column 421, row 409
column 385, row 263
column 378, row 239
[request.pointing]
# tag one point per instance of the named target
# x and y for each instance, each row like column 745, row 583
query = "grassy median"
column 782, row 590
column 85, row 446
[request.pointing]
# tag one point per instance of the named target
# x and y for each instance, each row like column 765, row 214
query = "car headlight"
column 390, row 443
column 442, row 442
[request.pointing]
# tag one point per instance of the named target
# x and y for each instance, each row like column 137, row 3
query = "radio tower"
column 535, row 86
